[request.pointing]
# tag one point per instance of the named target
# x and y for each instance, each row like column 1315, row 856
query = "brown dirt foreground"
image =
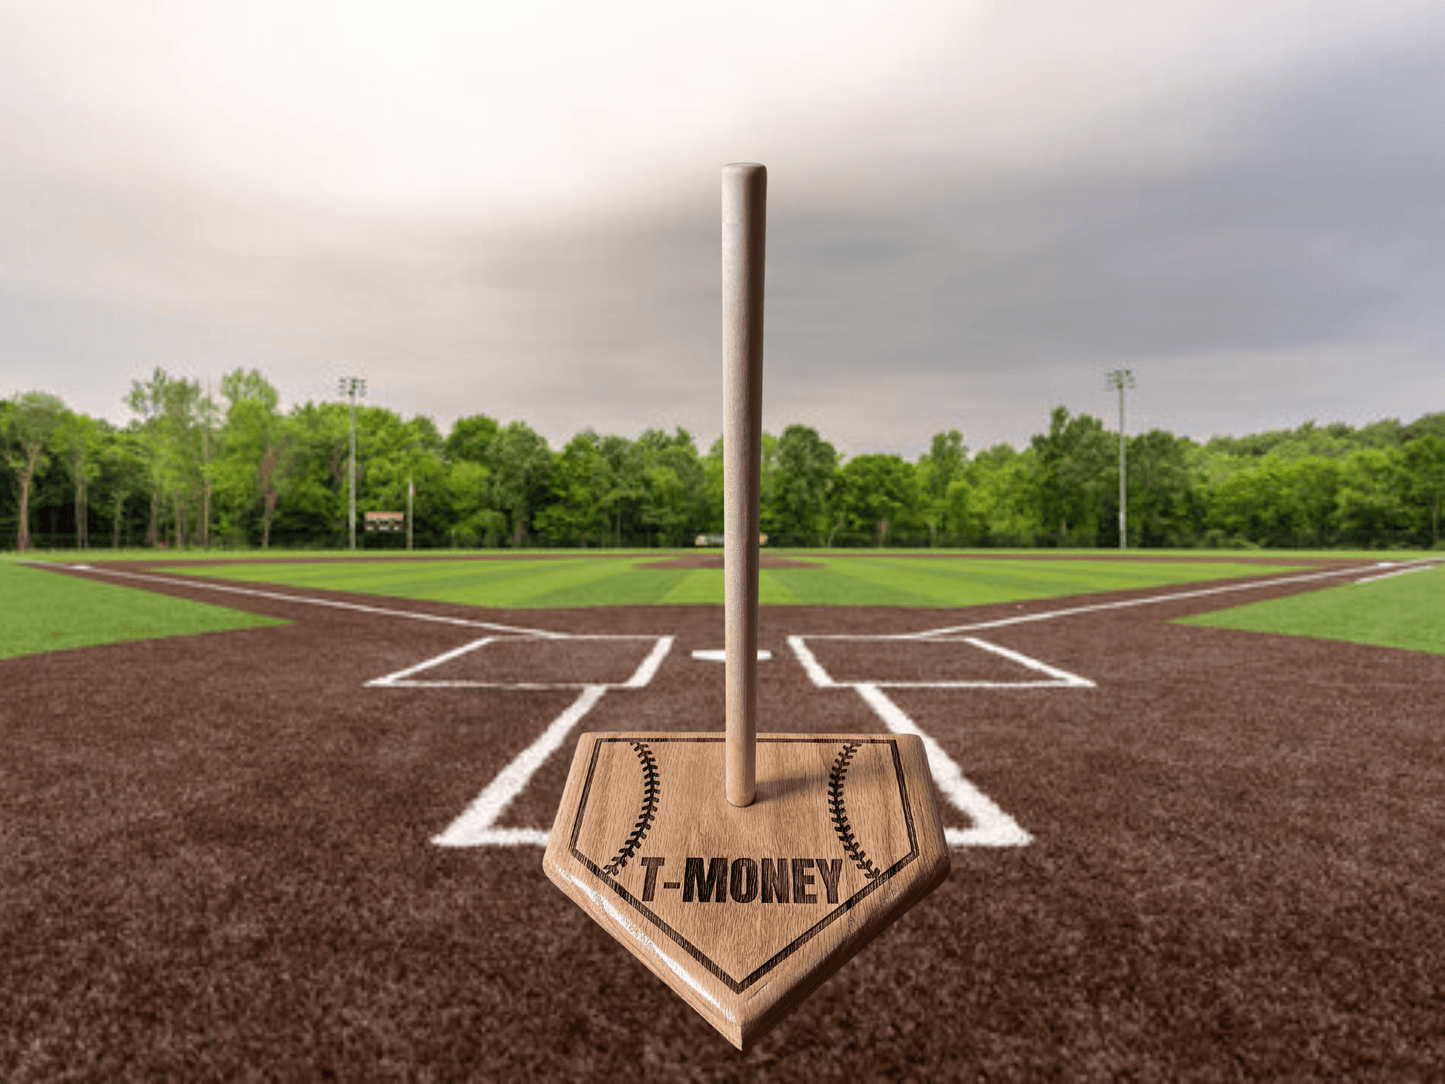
column 215, row 861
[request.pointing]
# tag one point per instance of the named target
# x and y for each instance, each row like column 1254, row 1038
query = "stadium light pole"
column 352, row 387
column 1121, row 379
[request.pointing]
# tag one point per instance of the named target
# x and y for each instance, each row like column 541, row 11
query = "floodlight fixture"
column 352, row 387
column 1121, row 379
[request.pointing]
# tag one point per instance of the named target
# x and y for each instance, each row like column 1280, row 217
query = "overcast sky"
column 976, row 210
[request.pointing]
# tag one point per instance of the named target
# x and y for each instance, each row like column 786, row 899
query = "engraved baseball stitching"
column 840, row 817
column 651, row 788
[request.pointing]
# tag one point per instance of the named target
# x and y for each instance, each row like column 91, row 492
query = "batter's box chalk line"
column 477, row 825
column 407, row 679
column 1054, row 677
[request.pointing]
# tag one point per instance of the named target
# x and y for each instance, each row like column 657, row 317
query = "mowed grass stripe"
column 554, row 578
column 1405, row 611
column 624, row 586
column 502, row 584
column 698, row 586
column 964, row 582
column 371, row 577
column 870, row 582
column 776, row 590
column 970, row 586
column 1102, row 574
column 45, row 612
column 887, row 580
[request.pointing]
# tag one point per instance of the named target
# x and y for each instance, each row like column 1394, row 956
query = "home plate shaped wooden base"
column 745, row 911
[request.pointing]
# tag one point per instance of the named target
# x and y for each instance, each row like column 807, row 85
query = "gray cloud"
column 1259, row 249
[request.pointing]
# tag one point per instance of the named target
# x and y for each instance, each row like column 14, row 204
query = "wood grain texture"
column 744, row 231
column 744, row 872
column 745, row 911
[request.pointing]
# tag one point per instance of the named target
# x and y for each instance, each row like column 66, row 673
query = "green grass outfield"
column 1405, row 611
column 615, row 580
column 42, row 612
column 222, row 556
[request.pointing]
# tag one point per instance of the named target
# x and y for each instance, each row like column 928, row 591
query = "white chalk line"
column 1058, row 678
column 1400, row 572
column 414, row 615
column 1048, row 615
column 400, row 676
column 814, row 669
column 474, row 827
column 650, row 664
column 992, row 827
column 1061, row 677
column 402, row 679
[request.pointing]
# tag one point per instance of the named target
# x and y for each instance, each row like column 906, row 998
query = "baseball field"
column 283, row 818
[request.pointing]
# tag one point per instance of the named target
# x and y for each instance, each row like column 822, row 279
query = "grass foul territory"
column 1406, row 609
column 833, row 581
column 44, row 612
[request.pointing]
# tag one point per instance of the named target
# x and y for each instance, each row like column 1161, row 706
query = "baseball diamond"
column 434, row 649
column 219, row 853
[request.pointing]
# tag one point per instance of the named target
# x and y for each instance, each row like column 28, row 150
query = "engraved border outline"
column 737, row 986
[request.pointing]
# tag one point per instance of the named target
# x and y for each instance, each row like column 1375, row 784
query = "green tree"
column 769, row 484
column 1424, row 425
column 522, row 467
column 253, row 466
column 878, row 490
column 472, row 438
column 581, row 481
column 623, row 502
column 1255, row 505
column 807, row 466
column 1076, row 469
column 995, row 504
column 208, row 417
column 473, row 520
column 79, row 440
column 30, row 426
column 938, row 469
column 1163, row 507
column 122, row 467
column 713, row 488
column 1371, row 502
column 1314, row 483
column 425, row 468
column 395, row 453
column 1425, row 479
column 673, row 495
column 171, row 409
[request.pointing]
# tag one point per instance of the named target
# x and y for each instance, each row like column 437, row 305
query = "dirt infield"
column 217, row 852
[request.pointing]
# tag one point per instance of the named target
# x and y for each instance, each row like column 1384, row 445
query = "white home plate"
column 719, row 655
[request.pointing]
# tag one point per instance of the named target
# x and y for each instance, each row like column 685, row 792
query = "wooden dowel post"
column 744, row 227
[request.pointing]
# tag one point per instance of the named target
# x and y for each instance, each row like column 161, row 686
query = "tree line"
column 236, row 472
